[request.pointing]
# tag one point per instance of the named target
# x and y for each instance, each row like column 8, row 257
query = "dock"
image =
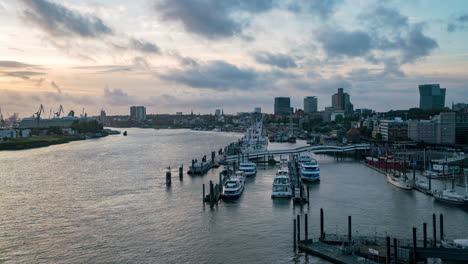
column 346, row 249
column 300, row 195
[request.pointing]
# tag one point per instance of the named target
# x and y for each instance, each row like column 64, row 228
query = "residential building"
column 446, row 128
column 431, row 96
column 138, row 113
column 393, row 130
column 310, row 104
column 459, row 106
column 441, row 129
column 461, row 127
column 283, row 106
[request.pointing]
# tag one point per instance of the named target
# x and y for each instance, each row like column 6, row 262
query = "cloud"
column 321, row 8
column 22, row 74
column 279, row 60
column 417, row 45
column 212, row 19
column 117, row 97
column 458, row 24
column 14, row 64
column 59, row 21
column 143, row 46
column 339, row 42
column 215, row 75
column 56, row 87
column 385, row 17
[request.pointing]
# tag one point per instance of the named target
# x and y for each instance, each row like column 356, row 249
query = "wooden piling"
column 387, row 261
column 306, row 227
column 434, row 231
column 349, row 228
column 441, row 227
column 425, row 234
column 168, row 177
column 414, row 245
column 395, row 251
column 204, row 196
column 321, row 224
column 211, row 192
column 181, row 172
column 298, row 228
column 294, row 233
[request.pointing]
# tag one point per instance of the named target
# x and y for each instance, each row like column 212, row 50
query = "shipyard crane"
column 40, row 111
column 60, row 110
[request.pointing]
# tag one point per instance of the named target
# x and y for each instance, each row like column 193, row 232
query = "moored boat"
column 400, row 180
column 249, row 168
column 254, row 141
column 281, row 186
column 233, row 187
column 450, row 196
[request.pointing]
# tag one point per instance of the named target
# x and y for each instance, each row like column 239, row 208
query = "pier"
column 346, row 249
column 299, row 196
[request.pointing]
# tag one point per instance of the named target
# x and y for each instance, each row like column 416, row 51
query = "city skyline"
column 174, row 56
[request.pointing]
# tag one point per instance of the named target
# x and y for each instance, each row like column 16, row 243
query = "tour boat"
column 304, row 158
column 400, row 180
column 310, row 171
column 281, row 186
column 249, row 168
column 254, row 141
column 233, row 187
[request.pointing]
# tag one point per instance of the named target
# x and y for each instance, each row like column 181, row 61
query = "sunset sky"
column 179, row 55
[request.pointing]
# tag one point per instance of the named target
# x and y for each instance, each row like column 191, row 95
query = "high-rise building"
column 102, row 118
column 342, row 101
column 461, row 127
column 217, row 112
column 431, row 96
column 310, row 104
column 283, row 106
column 257, row 110
column 138, row 113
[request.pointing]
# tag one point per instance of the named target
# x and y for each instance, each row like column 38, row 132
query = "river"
column 105, row 201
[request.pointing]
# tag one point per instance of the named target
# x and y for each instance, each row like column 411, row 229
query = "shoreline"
column 39, row 142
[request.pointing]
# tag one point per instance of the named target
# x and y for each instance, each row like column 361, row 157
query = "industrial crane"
column 39, row 112
column 60, row 110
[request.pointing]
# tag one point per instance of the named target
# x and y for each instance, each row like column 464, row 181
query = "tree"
column 338, row 119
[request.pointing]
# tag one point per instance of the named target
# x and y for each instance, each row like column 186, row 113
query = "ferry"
column 310, row 171
column 400, row 180
column 233, row 187
column 254, row 141
column 249, row 168
column 281, row 186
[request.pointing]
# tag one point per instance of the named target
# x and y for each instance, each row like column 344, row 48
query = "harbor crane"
column 2, row 122
column 39, row 112
column 60, row 110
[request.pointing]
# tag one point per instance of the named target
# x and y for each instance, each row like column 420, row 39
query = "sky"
column 199, row 55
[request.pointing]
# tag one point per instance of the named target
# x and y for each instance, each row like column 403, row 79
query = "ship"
column 254, row 141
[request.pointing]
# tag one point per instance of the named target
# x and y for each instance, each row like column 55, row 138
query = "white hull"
column 281, row 194
column 403, row 184
column 254, row 149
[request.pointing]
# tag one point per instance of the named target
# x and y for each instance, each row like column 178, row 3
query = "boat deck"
column 331, row 253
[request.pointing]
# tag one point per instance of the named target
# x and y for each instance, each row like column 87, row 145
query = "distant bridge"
column 315, row 149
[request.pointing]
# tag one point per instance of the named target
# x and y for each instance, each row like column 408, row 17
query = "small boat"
column 400, row 180
column 233, row 188
column 249, row 168
column 422, row 184
column 281, row 186
column 310, row 171
column 125, row 133
column 450, row 196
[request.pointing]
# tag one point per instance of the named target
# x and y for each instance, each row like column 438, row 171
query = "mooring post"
column 414, row 171
column 414, row 245
column 430, row 185
column 306, row 228
column 321, row 224
column 221, row 180
column 213, row 153
column 434, row 231
column 425, row 234
column 193, row 167
column 349, row 228
column 294, row 233
column 308, row 192
column 168, row 177
column 298, row 228
column 204, row 193
column 211, row 192
column 441, row 227
column 181, row 172
column 395, row 251
column 388, row 251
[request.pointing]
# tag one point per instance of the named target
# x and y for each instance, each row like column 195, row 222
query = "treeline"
column 415, row 113
column 92, row 126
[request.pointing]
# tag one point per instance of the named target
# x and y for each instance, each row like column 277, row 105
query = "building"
column 257, row 110
column 336, row 113
column 441, row 129
column 342, row 101
column 217, row 112
column 102, row 117
column 461, row 127
column 459, row 106
column 283, row 106
column 431, row 96
column 138, row 113
column 393, row 130
column 310, row 104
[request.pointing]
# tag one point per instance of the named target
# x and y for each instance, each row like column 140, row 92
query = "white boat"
column 249, row 168
column 254, row 140
column 281, row 186
column 239, row 175
column 310, row 171
column 450, row 196
column 400, row 180
column 233, row 188
column 422, row 184
column 303, row 158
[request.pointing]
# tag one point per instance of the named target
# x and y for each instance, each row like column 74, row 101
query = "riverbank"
column 38, row 142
